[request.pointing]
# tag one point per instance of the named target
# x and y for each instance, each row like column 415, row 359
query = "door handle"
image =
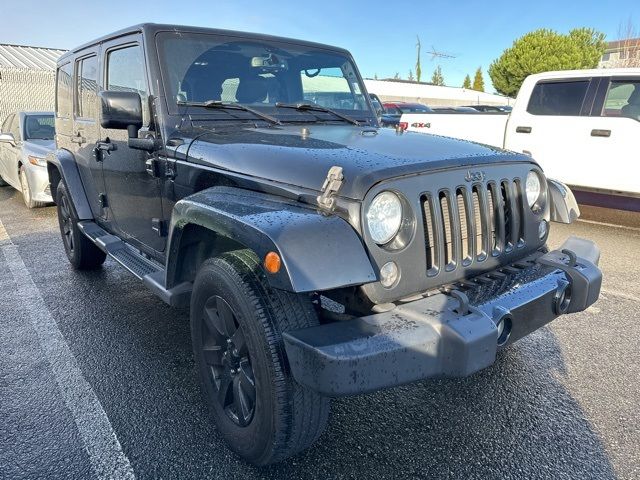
column 79, row 139
column 523, row 129
column 600, row 133
column 103, row 147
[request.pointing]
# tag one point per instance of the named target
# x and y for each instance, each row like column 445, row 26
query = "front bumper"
column 38, row 179
column 446, row 335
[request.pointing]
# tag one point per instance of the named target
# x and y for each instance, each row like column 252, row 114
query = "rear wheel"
column 81, row 252
column 26, row 191
column 236, row 322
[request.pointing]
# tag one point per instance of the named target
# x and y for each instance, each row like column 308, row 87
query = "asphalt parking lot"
column 97, row 381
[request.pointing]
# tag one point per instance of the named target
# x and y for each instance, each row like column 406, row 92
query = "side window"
column 87, row 88
column 64, row 104
column 6, row 125
column 623, row 99
column 558, row 98
column 15, row 128
column 125, row 73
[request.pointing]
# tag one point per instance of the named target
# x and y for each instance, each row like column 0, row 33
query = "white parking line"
column 98, row 437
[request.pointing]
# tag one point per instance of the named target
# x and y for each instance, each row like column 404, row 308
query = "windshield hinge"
column 331, row 185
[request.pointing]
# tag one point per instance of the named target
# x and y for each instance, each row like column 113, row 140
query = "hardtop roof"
column 150, row 29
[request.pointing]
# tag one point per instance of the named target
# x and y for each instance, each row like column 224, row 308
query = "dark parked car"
column 394, row 110
column 320, row 255
column 25, row 140
column 487, row 108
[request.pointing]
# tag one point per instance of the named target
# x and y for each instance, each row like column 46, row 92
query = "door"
column 5, row 148
column 552, row 127
column 13, row 153
column 611, row 142
column 84, row 132
column 133, row 194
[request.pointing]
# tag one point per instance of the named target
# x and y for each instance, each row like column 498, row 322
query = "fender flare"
column 65, row 163
column 318, row 251
column 564, row 208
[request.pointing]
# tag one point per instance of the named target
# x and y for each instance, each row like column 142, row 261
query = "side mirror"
column 121, row 110
column 8, row 138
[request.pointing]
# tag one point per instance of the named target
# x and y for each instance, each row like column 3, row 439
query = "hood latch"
column 331, row 185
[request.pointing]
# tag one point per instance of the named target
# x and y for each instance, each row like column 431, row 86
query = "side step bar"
column 145, row 269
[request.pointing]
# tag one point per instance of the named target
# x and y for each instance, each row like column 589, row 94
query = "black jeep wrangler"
column 246, row 176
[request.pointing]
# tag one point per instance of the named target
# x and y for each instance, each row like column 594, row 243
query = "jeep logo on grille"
column 474, row 176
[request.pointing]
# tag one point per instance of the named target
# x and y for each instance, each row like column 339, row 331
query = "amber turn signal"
column 272, row 262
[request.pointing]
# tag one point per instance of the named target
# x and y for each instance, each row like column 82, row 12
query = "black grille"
column 466, row 225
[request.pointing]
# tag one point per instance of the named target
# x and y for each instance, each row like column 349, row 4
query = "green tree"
column 375, row 76
column 478, row 81
column 410, row 77
column 396, row 76
column 437, row 78
column 545, row 50
column 467, row 82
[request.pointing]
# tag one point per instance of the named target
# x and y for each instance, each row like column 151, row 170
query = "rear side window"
column 87, row 88
column 6, row 125
column 558, row 98
column 623, row 99
column 125, row 73
column 64, row 103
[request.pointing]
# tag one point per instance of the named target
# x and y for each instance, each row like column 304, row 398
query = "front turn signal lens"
column 272, row 262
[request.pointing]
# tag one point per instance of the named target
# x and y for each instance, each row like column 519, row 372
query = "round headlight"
column 384, row 217
column 533, row 188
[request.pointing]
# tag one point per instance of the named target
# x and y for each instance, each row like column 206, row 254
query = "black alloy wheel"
column 225, row 352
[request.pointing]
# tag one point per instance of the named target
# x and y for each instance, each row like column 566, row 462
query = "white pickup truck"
column 582, row 126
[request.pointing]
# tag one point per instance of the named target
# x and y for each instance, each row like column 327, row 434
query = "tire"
column 81, row 252
column 26, row 190
column 263, row 414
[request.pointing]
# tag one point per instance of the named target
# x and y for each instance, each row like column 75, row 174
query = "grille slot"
column 463, row 226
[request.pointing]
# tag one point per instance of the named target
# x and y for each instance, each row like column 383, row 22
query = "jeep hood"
column 289, row 155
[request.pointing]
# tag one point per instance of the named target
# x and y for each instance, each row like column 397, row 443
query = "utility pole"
column 418, row 69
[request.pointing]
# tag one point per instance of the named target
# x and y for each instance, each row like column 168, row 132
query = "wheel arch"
column 318, row 252
column 61, row 165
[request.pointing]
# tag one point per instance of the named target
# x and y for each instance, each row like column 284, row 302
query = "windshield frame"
column 365, row 116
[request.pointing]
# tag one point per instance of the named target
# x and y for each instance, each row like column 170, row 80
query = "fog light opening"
column 543, row 229
column 563, row 298
column 389, row 274
column 504, row 325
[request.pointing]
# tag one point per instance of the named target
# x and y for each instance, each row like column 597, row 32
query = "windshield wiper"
column 314, row 107
column 232, row 106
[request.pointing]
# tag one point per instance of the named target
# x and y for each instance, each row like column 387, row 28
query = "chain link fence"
column 24, row 89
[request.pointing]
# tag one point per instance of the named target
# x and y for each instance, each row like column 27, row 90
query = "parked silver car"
column 25, row 139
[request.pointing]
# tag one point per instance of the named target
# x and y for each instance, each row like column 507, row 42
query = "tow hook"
column 579, row 289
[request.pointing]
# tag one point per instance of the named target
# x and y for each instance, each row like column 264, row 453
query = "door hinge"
column 331, row 186
column 102, row 199
column 159, row 226
column 153, row 167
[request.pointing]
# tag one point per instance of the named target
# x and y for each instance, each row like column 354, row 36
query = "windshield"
column 39, row 127
column 259, row 73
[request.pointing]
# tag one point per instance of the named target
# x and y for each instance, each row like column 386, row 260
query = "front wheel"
column 81, row 252
column 236, row 323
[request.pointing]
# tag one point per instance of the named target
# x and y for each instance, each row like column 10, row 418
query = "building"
column 621, row 54
column 433, row 95
column 27, row 78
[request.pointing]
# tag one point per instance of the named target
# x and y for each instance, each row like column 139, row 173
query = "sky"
column 381, row 35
